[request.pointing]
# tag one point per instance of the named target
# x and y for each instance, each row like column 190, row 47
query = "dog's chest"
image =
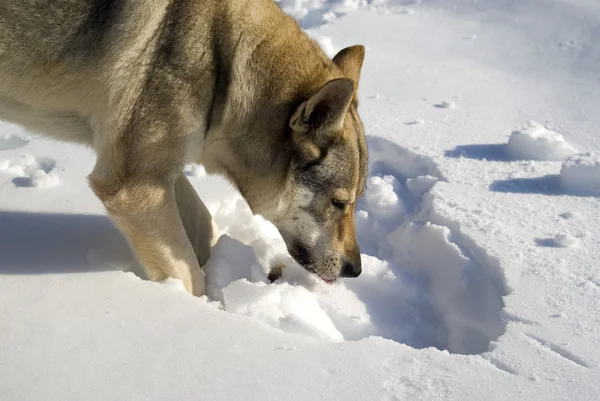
column 195, row 145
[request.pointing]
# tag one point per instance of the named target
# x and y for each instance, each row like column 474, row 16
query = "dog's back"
column 63, row 61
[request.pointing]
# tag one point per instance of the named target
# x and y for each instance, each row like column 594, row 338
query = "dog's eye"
column 338, row 204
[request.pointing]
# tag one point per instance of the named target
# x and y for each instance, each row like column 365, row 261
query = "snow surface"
column 480, row 272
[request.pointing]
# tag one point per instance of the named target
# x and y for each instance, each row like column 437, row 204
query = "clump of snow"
column 379, row 211
column 290, row 308
column 174, row 284
column 381, row 198
column 41, row 179
column 419, row 185
column 535, row 142
column 234, row 218
column 580, row 173
column 32, row 171
column 231, row 260
column 565, row 240
column 20, row 166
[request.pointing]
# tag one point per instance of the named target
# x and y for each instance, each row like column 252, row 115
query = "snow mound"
column 565, row 240
column 536, row 142
column 580, row 173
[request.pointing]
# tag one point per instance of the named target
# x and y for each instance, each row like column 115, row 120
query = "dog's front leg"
column 146, row 211
column 197, row 221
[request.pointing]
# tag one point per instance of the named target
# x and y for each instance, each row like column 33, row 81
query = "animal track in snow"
column 558, row 350
column 496, row 363
column 31, row 171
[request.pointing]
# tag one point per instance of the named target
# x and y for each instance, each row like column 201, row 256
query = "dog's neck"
column 269, row 66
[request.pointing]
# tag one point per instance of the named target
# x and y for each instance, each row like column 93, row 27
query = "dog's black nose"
column 350, row 269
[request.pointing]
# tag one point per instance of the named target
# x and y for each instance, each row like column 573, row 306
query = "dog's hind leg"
column 197, row 221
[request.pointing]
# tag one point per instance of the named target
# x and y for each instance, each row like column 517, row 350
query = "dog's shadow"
column 40, row 243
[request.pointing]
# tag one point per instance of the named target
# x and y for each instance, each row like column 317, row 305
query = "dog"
column 234, row 85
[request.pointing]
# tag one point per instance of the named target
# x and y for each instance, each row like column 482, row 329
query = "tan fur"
column 152, row 84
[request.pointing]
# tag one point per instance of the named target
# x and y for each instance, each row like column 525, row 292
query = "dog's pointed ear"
column 318, row 122
column 325, row 110
column 350, row 61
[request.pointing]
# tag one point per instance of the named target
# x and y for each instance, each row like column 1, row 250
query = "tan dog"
column 232, row 84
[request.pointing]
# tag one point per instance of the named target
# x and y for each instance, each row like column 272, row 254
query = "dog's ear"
column 318, row 122
column 350, row 61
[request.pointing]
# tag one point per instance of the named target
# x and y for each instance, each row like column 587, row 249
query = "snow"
column 480, row 276
column 195, row 170
column 11, row 141
column 565, row 240
column 536, row 142
column 30, row 171
column 580, row 173
column 325, row 43
column 446, row 105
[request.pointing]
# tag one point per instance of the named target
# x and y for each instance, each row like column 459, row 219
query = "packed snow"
column 480, row 276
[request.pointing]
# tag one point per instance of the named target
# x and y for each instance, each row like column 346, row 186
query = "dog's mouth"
column 327, row 280
column 302, row 256
column 311, row 268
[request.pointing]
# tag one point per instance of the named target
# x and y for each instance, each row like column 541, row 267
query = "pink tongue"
column 328, row 281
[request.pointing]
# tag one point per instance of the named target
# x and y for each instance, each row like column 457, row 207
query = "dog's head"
column 327, row 175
